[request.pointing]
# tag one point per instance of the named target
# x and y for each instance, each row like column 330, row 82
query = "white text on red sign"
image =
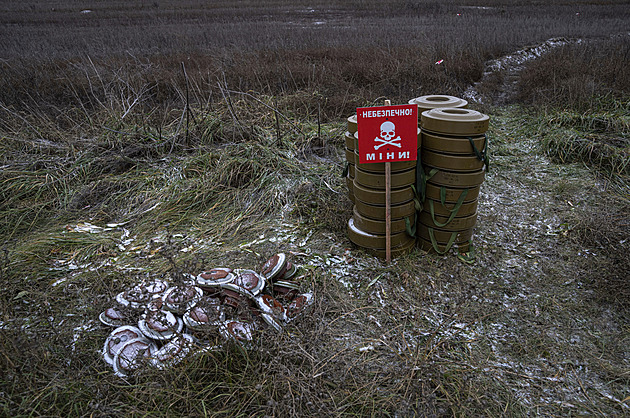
column 387, row 133
column 386, row 156
column 386, row 113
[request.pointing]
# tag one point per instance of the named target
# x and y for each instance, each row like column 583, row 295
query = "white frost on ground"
column 514, row 63
column 515, row 60
column 524, row 237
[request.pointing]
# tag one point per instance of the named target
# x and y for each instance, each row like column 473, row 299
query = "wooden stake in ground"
column 388, row 206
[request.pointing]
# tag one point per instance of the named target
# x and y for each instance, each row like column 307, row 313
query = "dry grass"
column 340, row 52
column 597, row 138
column 583, row 76
column 427, row 335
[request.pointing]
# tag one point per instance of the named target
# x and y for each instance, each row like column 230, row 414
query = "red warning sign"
column 388, row 133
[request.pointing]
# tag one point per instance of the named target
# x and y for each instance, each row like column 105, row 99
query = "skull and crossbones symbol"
column 388, row 130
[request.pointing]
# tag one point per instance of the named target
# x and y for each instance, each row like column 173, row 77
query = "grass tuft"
column 599, row 139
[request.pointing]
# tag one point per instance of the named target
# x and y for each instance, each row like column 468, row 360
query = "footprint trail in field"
column 512, row 64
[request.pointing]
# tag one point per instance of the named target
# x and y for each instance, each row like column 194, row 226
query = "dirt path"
column 549, row 339
column 509, row 68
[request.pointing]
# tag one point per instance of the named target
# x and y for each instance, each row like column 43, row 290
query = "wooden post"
column 388, row 206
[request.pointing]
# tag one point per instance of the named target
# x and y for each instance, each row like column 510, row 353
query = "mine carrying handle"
column 483, row 154
column 468, row 258
column 435, row 244
column 453, row 211
column 422, row 178
column 411, row 229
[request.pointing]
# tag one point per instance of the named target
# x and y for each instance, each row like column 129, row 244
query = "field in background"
column 220, row 124
column 343, row 53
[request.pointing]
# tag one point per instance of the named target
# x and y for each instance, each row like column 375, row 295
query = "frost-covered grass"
column 598, row 138
column 537, row 323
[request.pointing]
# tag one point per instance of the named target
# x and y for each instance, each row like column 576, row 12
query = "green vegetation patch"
column 600, row 139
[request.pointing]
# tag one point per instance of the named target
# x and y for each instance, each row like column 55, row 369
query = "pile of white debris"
column 158, row 322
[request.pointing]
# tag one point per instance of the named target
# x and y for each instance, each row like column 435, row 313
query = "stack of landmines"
column 366, row 188
column 454, row 159
column 448, row 186
column 158, row 324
